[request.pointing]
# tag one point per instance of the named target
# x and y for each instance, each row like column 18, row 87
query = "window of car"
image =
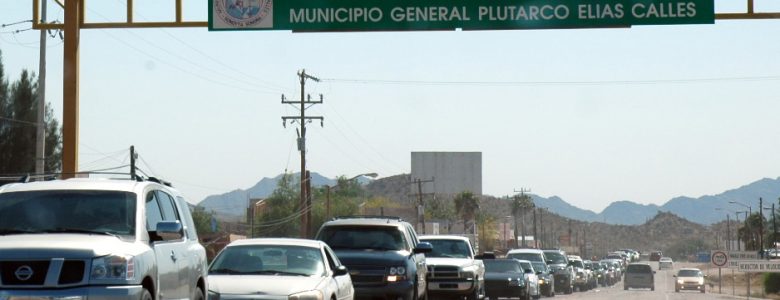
column 639, row 269
column 364, row 237
column 153, row 212
column 526, row 256
column 689, row 273
column 449, row 248
column 556, row 257
column 68, row 211
column 502, row 266
column 168, row 207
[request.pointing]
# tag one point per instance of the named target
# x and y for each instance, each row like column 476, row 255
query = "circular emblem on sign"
column 23, row 273
column 243, row 13
column 719, row 259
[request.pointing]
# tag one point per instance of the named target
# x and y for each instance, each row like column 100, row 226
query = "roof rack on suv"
column 368, row 217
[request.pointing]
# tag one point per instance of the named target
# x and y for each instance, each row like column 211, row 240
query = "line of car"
column 135, row 239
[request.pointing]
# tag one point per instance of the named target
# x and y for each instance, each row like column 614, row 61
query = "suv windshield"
column 555, row 257
column 68, row 211
column 363, row 237
column 448, row 248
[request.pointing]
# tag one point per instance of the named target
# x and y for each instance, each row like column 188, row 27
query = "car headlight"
column 113, row 268
column 213, row 295
column 308, row 295
column 515, row 282
column 396, row 274
column 701, row 280
column 541, row 281
column 679, row 281
column 468, row 274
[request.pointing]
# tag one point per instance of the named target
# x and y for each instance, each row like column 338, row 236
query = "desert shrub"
column 771, row 283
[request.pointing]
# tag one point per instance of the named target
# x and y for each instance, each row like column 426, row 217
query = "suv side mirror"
column 550, row 262
column 169, row 230
column 340, row 270
column 423, row 247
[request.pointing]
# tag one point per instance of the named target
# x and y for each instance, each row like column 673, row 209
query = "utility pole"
column 420, row 202
column 774, row 228
column 728, row 232
column 40, row 134
column 305, row 201
column 761, row 226
column 132, row 162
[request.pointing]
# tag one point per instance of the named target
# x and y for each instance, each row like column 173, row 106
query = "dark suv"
column 383, row 256
column 563, row 272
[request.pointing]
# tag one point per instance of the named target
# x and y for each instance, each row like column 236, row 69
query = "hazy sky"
column 590, row 115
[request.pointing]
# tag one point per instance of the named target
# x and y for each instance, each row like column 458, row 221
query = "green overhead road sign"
column 403, row 15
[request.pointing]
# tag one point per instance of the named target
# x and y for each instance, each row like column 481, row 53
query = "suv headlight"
column 113, row 268
column 396, row 274
column 308, row 295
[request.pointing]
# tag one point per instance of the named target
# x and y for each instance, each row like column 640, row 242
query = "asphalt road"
column 664, row 290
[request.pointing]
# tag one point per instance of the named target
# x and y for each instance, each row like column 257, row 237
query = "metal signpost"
column 409, row 15
column 719, row 259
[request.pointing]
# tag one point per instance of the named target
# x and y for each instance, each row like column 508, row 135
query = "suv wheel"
column 198, row 295
column 145, row 295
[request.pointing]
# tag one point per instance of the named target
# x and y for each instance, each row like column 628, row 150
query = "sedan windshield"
column 555, row 257
column 68, row 211
column 689, row 273
column 268, row 260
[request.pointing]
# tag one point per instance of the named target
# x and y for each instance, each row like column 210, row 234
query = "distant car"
column 533, row 279
column 546, row 281
column 656, row 255
column 665, row 263
column 278, row 268
column 505, row 278
column 689, row 279
column 639, row 275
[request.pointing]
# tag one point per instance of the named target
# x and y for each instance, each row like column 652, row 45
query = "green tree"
column 202, row 220
column 345, row 197
column 487, row 231
column 282, row 215
column 18, row 118
column 439, row 208
column 466, row 206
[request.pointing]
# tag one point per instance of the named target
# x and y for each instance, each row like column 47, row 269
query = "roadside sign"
column 736, row 256
column 719, row 259
column 408, row 15
column 759, row 266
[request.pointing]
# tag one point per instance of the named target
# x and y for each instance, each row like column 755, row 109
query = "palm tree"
column 466, row 206
column 520, row 205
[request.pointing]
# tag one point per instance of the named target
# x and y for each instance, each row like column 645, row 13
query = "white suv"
column 98, row 239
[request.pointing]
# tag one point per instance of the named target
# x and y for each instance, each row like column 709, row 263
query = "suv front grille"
column 30, row 273
column 443, row 271
column 367, row 275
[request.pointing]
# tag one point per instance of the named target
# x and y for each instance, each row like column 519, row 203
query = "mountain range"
column 700, row 210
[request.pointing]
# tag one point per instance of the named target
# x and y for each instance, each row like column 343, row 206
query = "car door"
column 343, row 283
column 168, row 253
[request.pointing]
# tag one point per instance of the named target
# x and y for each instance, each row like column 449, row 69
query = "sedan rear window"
column 639, row 269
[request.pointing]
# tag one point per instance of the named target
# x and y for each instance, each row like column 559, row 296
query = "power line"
column 540, row 83
column 15, row 23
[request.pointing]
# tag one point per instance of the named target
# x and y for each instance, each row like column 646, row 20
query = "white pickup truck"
column 453, row 270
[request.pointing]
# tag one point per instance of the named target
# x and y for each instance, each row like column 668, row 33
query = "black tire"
column 198, row 294
column 146, row 295
column 625, row 287
column 569, row 289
